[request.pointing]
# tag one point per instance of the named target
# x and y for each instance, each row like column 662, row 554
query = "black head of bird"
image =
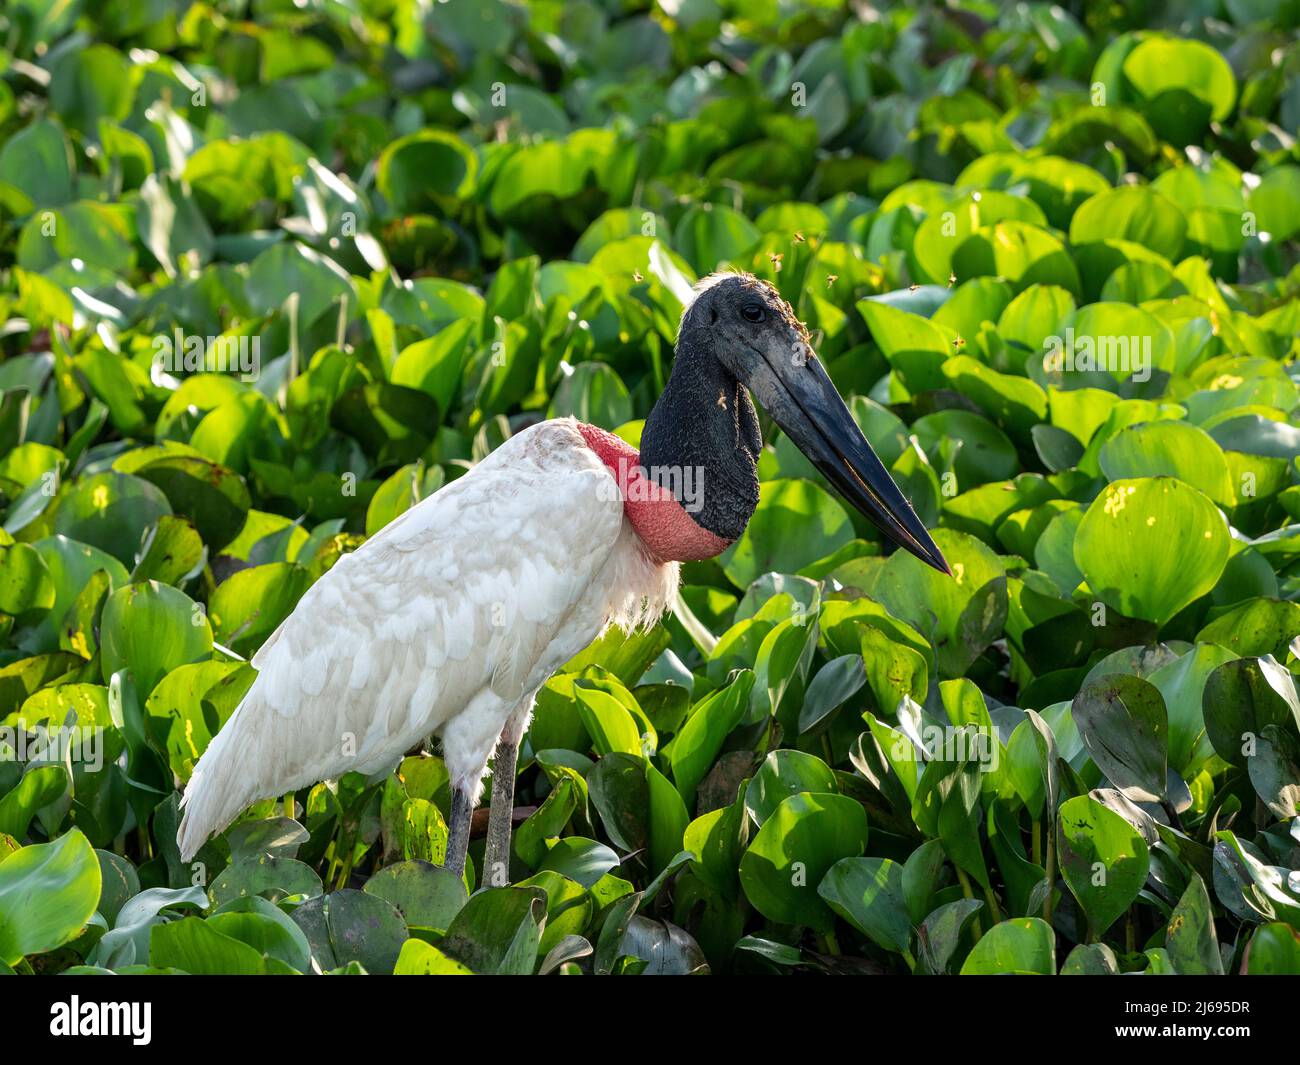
column 739, row 338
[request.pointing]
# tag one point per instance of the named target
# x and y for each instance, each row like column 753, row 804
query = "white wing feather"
column 442, row 622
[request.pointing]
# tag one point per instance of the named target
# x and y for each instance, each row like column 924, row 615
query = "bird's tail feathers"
column 219, row 787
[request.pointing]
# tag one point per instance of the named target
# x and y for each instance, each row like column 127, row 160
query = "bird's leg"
column 458, row 829
column 496, row 860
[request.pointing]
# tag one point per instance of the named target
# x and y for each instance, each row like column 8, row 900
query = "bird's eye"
column 753, row 312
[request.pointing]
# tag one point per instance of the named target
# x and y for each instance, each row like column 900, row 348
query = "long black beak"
column 801, row 398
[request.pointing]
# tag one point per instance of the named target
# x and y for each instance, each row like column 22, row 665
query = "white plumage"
column 447, row 621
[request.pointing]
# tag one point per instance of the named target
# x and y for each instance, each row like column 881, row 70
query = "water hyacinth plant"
column 272, row 274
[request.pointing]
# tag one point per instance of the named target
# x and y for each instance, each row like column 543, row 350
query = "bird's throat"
column 665, row 526
column 703, row 429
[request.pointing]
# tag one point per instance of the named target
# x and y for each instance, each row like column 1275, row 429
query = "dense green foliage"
column 423, row 226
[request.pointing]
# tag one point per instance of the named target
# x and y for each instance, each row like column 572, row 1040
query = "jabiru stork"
column 450, row 619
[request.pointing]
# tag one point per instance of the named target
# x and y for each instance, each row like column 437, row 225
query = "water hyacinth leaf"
column 939, row 936
column 797, row 845
column 894, row 672
column 498, row 931
column 1133, row 213
column 214, row 498
column 110, row 511
column 178, row 713
column 1122, row 547
column 24, row 580
column 279, row 837
column 171, row 552
column 1160, row 65
column 1274, row 951
column 668, row 819
column 425, row 169
column 1104, row 860
column 347, row 926
column 1274, row 770
column 832, row 686
column 193, row 946
column 1024, row 946
column 249, row 605
column 697, row 745
column 1190, row 941
column 717, row 841
column 530, row 838
column 583, row 861
column 1182, row 684
column 1091, row 959
column 37, row 160
column 569, row 908
column 1262, row 626
column 119, row 882
column 315, row 282
column 960, row 614
column 782, row 774
column 1243, row 697
column 264, row 927
column 869, row 894
column 127, row 943
column 612, row 728
column 796, row 522
column 263, row 875
column 1174, row 449
column 621, row 794
column 151, row 629
column 427, row 896
column 419, row 958
column 48, row 891
column 40, row 785
column 1125, row 727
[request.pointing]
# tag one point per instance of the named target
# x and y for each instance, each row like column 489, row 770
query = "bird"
column 449, row 620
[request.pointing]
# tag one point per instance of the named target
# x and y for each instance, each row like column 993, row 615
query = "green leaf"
column 696, row 747
column 151, row 629
column 272, row 878
column 1125, row 727
column 266, row 928
column 38, row 160
column 793, row 851
column 668, row 819
column 785, row 773
column 110, row 511
column 348, row 926
column 195, row 946
column 431, row 168
column 249, row 605
column 1161, row 64
column 1242, row 698
column 419, row 958
column 48, row 892
column 607, row 722
column 1190, row 940
column 796, row 522
column 1262, row 626
column 498, row 931
column 214, row 498
column 1122, row 547
column 1024, row 946
column 40, row 785
column 869, row 894
column 1103, row 859
column 961, row 614
column 427, row 896
column 1166, row 448
column 1274, row 951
